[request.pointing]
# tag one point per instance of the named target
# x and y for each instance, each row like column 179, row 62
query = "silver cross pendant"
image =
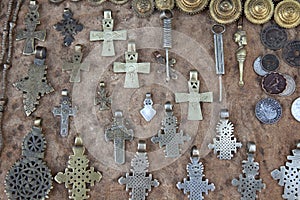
column 195, row 186
column 225, row 143
column 139, row 181
column 148, row 112
column 247, row 184
column 288, row 176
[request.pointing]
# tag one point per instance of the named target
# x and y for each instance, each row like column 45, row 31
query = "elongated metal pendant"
column 168, row 135
column 139, row 181
column 194, row 97
column 77, row 175
column 148, row 112
column 241, row 53
column 225, row 143
column 288, row 176
column 101, row 98
column 30, row 177
column 64, row 111
column 76, row 65
column 247, row 184
column 35, row 84
column 194, row 185
column 118, row 133
column 29, row 34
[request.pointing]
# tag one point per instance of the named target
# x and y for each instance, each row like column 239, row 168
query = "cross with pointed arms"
column 108, row 35
column 118, row 133
column 35, row 84
column 194, row 97
column 64, row 111
column 131, row 67
column 31, row 21
column 76, row 176
column 76, row 66
column 101, row 98
column 168, row 136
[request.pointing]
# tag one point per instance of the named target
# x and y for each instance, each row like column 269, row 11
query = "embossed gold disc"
column 287, row 13
column 259, row 11
column 225, row 11
column 191, row 6
column 164, row 4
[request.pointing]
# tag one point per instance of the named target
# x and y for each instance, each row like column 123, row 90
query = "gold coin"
column 259, row 11
column 143, row 8
column 164, row 4
column 225, row 11
column 287, row 13
column 191, row 6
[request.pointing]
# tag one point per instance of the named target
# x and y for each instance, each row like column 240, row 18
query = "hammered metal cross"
column 168, row 135
column 76, row 177
column 288, row 176
column 225, row 143
column 139, row 181
column 101, row 98
column 31, row 21
column 131, row 67
column 68, row 27
column 247, row 184
column 64, row 111
column 108, row 35
column 35, row 84
column 195, row 186
column 76, row 66
column 118, row 133
column 194, row 97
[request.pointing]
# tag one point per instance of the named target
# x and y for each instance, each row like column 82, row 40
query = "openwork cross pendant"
column 76, row 177
column 102, row 98
column 139, row 181
column 195, row 186
column 225, row 143
column 288, row 176
column 247, row 184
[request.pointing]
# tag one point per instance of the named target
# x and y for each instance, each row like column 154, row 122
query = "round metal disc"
column 259, row 11
column 225, row 12
column 143, row 8
column 291, row 53
column 270, row 62
column 191, row 6
column 287, row 13
column 268, row 111
column 295, row 109
column 258, row 68
column 273, row 37
column 290, row 86
column 274, row 83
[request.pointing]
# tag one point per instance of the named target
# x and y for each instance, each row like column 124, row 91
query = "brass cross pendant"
column 35, row 84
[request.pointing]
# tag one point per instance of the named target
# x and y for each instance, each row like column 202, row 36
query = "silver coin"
column 295, row 109
column 257, row 66
column 290, row 86
column 268, row 111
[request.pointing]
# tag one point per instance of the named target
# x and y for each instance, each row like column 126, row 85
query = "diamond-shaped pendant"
column 148, row 112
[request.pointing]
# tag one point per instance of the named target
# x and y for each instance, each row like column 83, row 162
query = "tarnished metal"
column 139, row 181
column 259, row 11
column 270, row 62
column 118, row 133
column 142, row 8
column 291, row 53
column 118, row 2
column 69, row 27
column 108, row 35
column 194, row 97
column 161, row 60
column 168, row 135
column 76, row 65
column 191, row 6
column 218, row 31
column 30, row 177
column 194, row 185
column 225, row 143
column 131, row 67
column 274, row 83
column 268, row 111
column 164, row 4
column 247, row 184
column 273, row 37
column 77, row 176
column 35, row 84
column 226, row 11
column 287, row 13
column 29, row 34
column 241, row 53
column 64, row 111
column 148, row 112
column 102, row 98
